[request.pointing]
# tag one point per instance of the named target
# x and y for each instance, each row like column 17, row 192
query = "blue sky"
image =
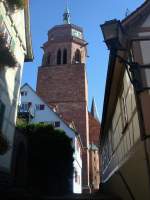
column 88, row 14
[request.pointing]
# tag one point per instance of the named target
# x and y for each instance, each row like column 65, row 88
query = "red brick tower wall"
column 65, row 85
column 94, row 130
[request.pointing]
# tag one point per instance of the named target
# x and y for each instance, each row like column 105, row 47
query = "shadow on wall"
column 9, row 90
column 20, row 160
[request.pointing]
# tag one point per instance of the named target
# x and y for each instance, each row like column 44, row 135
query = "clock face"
column 76, row 33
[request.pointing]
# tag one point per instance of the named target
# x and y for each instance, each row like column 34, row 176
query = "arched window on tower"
column 65, row 56
column 59, row 57
column 49, row 59
column 77, row 56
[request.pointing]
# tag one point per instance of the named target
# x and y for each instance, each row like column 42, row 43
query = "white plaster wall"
column 18, row 18
column 77, row 187
column 10, row 78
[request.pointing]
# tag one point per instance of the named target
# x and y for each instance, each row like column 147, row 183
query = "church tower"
column 62, row 81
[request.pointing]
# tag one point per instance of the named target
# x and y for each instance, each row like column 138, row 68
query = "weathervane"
column 66, row 15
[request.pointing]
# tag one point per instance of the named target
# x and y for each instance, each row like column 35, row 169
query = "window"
column 25, row 106
column 65, row 56
column 23, row 93
column 77, row 56
column 37, row 106
column 49, row 59
column 57, row 124
column 59, row 57
column 2, row 111
column 40, row 106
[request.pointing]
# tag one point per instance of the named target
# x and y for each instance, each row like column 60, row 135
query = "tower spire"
column 66, row 15
column 94, row 112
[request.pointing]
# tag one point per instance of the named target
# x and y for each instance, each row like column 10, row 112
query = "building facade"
column 125, row 139
column 15, row 48
column 35, row 110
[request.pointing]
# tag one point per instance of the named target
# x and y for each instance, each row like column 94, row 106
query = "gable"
column 46, row 115
column 137, row 15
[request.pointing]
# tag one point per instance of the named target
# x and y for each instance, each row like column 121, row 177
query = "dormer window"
column 77, row 56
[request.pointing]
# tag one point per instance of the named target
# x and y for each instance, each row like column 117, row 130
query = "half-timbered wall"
column 123, row 132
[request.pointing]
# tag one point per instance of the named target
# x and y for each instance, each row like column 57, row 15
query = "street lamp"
column 116, row 39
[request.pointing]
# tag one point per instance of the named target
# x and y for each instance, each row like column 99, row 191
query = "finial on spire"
column 66, row 15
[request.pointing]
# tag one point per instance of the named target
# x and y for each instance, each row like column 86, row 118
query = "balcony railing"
column 26, row 109
column 7, row 46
